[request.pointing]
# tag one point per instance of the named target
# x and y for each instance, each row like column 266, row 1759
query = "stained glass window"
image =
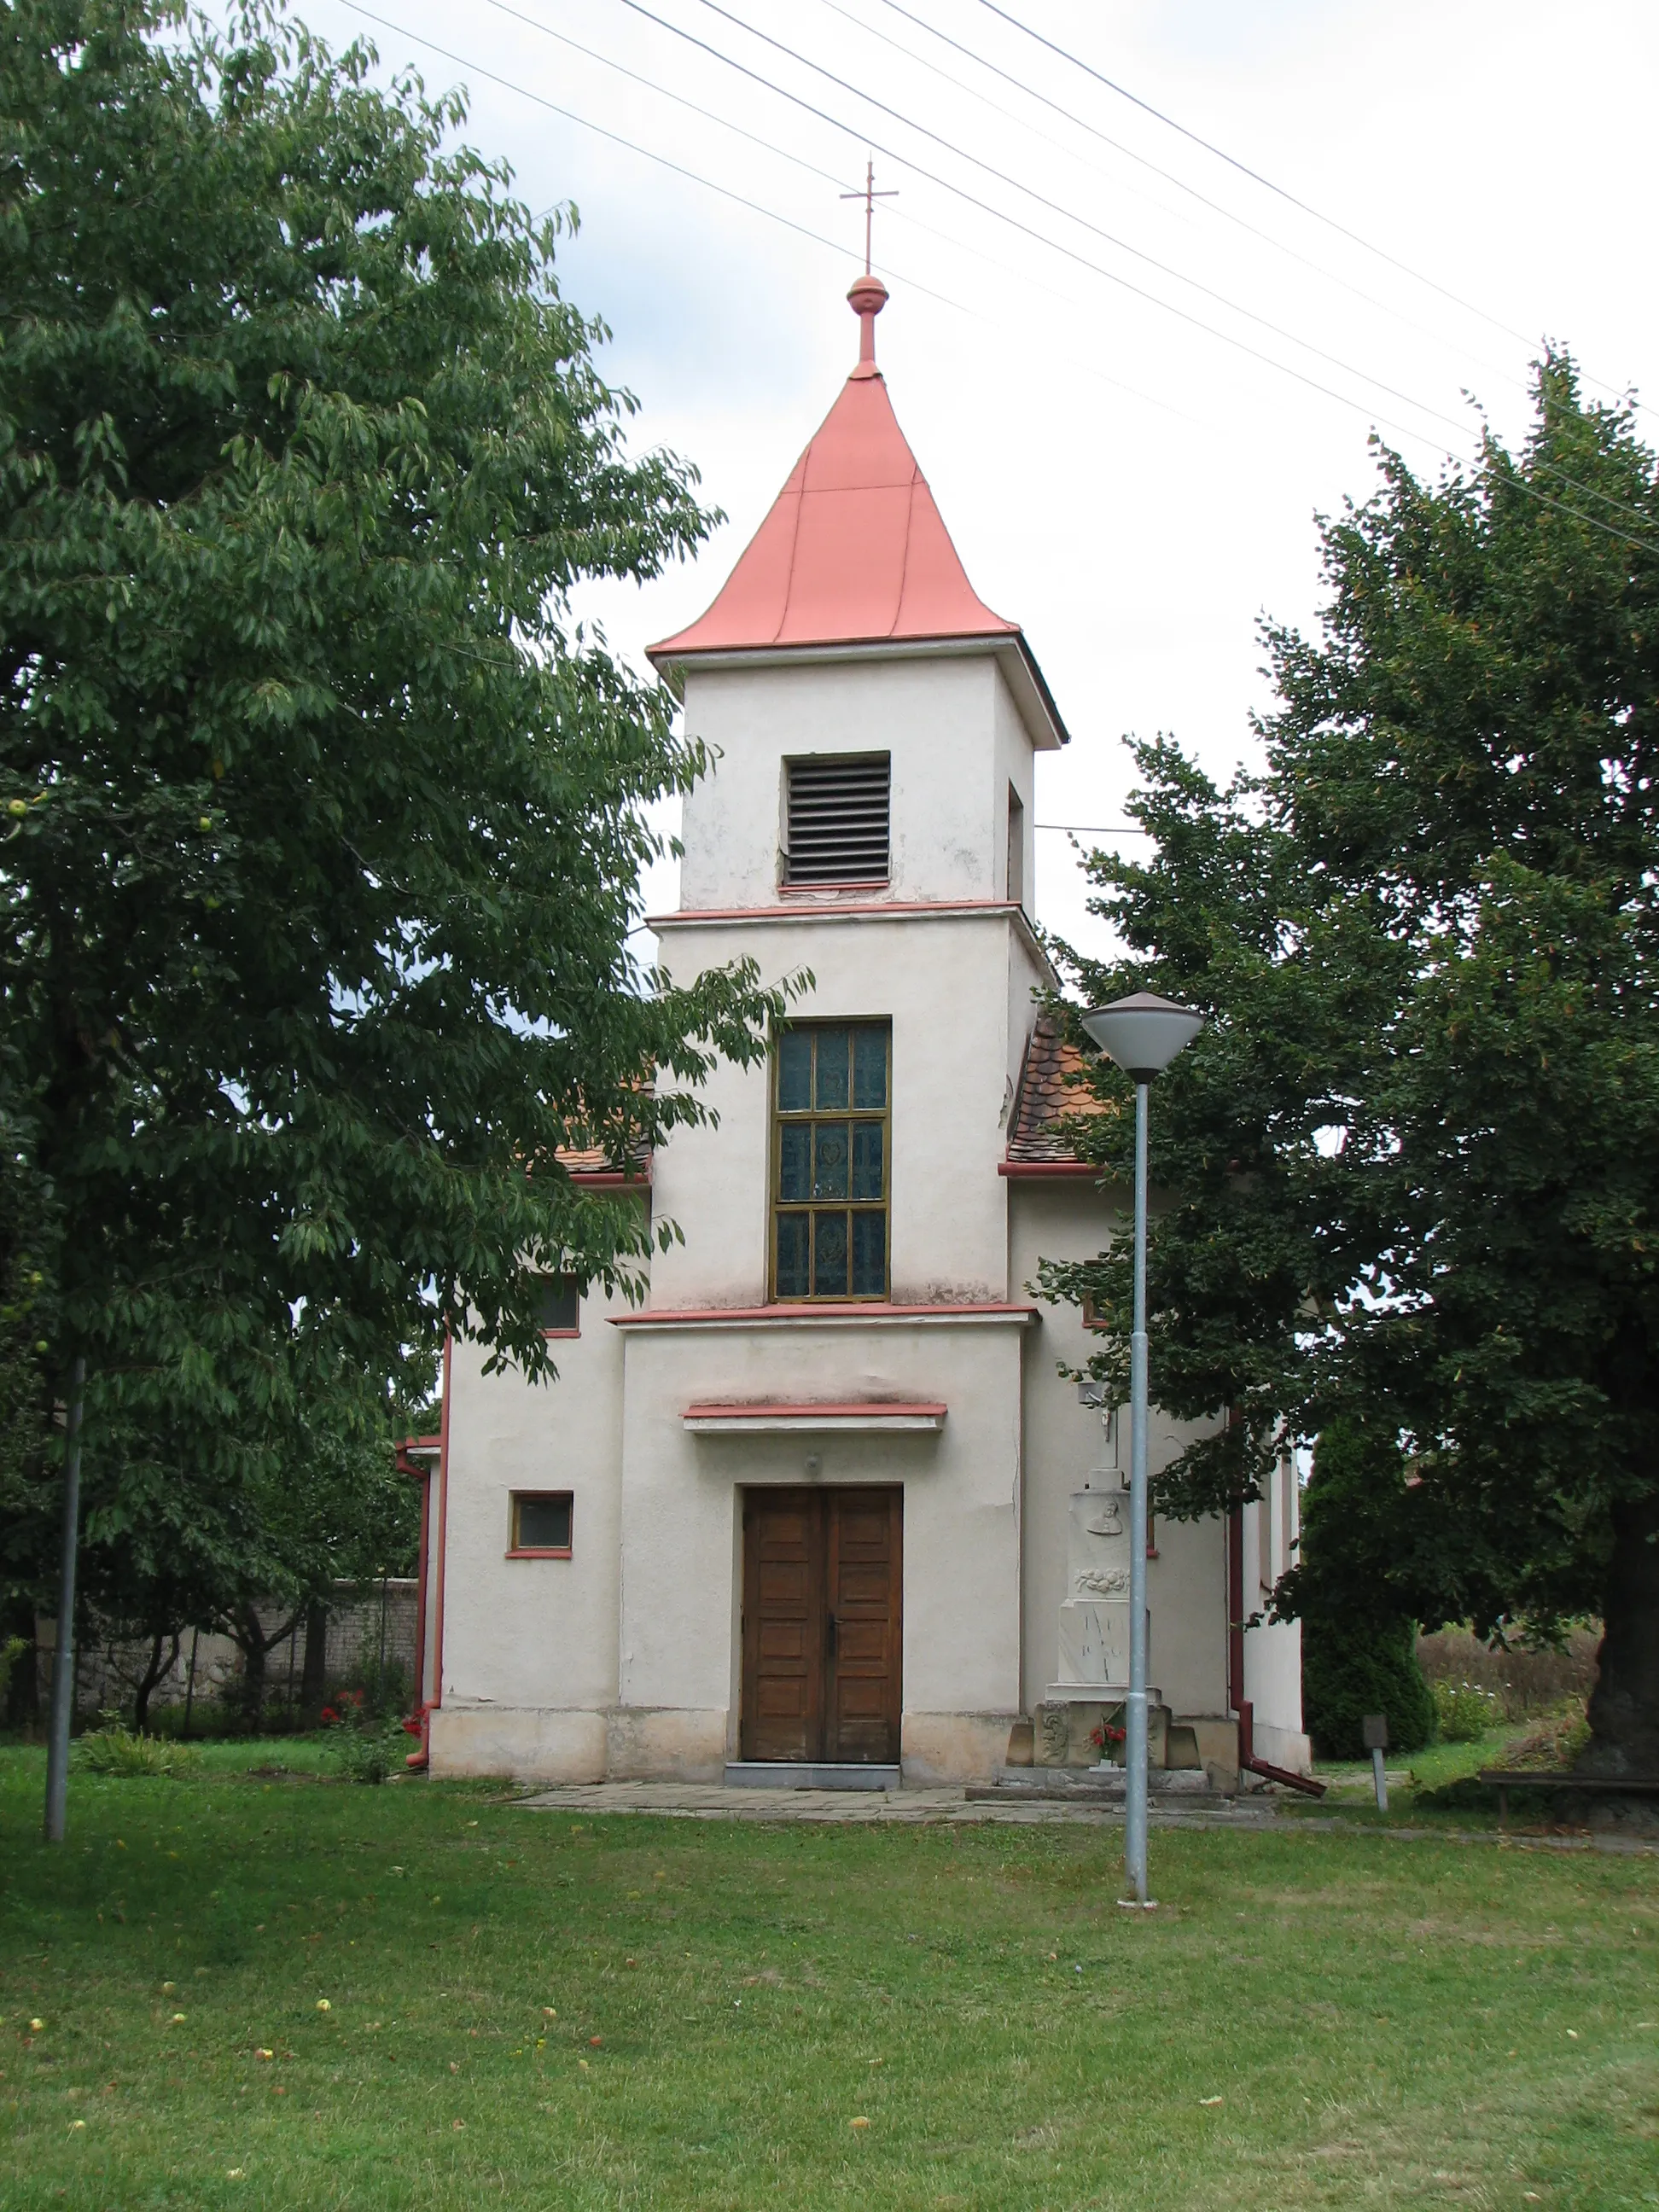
column 831, row 1153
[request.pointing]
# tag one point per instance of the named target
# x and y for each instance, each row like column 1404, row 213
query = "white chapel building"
column 823, row 1507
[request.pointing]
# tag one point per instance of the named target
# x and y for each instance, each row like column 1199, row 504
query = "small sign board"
column 1374, row 1728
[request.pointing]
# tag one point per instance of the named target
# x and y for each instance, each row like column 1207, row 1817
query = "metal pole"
column 1135, row 1744
column 63, row 1658
column 1379, row 1782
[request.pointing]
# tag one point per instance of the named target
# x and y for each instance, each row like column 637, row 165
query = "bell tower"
column 846, row 654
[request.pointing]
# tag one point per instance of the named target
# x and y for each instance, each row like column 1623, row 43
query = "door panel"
column 782, row 1625
column 863, row 1696
column 822, row 1628
column 821, row 1623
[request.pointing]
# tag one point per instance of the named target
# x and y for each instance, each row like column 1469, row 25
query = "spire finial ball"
column 867, row 299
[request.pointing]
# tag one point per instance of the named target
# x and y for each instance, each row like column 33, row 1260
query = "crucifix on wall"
column 870, row 196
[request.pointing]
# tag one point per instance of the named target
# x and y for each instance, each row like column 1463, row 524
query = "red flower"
column 328, row 1716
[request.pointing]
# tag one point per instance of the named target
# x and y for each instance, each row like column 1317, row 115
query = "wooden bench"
column 1504, row 1779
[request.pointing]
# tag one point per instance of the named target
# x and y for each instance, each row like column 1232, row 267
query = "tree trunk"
column 1624, row 1706
column 157, row 1667
column 254, row 1647
column 314, row 1672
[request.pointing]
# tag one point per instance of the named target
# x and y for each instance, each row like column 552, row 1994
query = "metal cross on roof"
column 870, row 196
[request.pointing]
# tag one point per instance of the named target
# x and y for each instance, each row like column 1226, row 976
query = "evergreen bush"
column 1352, row 1667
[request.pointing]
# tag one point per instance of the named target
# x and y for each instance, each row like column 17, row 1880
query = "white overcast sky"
column 1134, row 490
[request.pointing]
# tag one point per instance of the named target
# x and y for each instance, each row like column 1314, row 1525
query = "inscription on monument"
column 1094, row 1615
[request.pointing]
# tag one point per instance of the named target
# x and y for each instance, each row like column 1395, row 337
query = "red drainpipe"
column 1249, row 1763
column 417, row 1761
column 410, row 1467
column 416, row 1724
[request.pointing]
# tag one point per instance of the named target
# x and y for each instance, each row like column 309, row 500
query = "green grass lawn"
column 529, row 2009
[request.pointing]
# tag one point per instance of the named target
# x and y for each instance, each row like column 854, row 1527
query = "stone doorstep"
column 1180, row 1785
column 786, row 1774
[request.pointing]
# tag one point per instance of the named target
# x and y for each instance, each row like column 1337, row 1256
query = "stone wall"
column 365, row 1620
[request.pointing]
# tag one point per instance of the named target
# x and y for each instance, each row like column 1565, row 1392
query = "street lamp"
column 1143, row 1034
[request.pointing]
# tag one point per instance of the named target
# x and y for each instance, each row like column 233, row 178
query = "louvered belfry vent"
column 838, row 820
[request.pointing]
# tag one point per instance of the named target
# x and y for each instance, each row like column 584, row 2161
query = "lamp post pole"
column 1143, row 1034
column 1134, row 1733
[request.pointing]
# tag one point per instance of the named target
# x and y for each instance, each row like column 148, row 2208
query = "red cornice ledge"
column 768, row 1409
column 872, row 1310
column 875, row 1414
column 1050, row 1170
column 611, row 1179
column 829, row 909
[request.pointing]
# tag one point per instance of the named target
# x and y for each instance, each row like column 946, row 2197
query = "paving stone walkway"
column 696, row 1801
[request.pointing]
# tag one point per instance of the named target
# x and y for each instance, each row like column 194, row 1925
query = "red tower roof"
column 853, row 551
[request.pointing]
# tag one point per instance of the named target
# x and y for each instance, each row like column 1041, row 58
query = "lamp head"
column 1142, row 1033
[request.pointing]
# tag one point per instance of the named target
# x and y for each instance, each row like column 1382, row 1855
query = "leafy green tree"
column 323, row 820
column 172, row 1545
column 1413, row 1163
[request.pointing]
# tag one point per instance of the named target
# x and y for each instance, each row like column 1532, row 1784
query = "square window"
column 541, row 1521
column 559, row 1303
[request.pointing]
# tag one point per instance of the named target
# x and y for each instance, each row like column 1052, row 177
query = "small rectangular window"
column 541, row 1523
column 831, row 1152
column 559, row 1302
column 837, row 819
column 1016, row 846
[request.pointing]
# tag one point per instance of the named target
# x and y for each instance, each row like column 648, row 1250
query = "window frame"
column 778, row 1120
column 563, row 1275
column 1014, row 887
column 515, row 1550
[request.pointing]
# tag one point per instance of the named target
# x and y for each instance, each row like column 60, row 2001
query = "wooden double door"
column 823, row 1624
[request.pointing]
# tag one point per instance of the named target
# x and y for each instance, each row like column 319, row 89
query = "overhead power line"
column 1255, row 176
column 811, row 169
column 756, row 207
column 723, row 122
column 1111, row 275
column 1026, row 229
column 1067, row 214
column 818, row 238
column 1168, row 176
